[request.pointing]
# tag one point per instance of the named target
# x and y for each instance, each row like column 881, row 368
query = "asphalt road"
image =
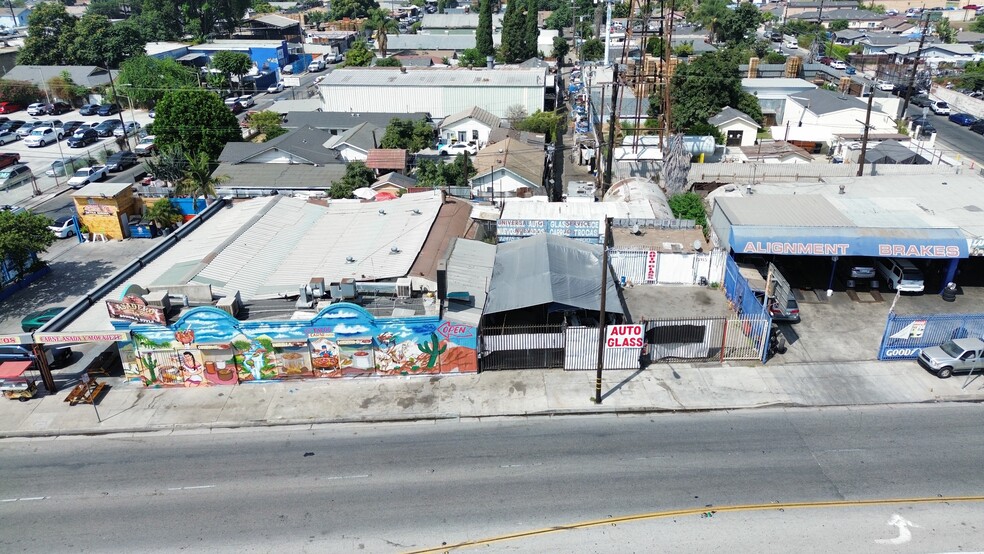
column 403, row 487
column 952, row 139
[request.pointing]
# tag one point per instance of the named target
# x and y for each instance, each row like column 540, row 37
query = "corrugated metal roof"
column 469, row 269
column 434, row 77
column 783, row 211
column 99, row 189
column 532, row 209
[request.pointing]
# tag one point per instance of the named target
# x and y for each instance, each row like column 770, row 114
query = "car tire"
column 43, row 144
column 945, row 372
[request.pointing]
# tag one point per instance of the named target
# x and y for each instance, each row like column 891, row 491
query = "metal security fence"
column 581, row 352
column 750, row 330
column 760, row 173
column 522, row 347
column 906, row 335
column 685, row 339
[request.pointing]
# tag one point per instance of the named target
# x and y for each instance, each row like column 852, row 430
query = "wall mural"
column 207, row 346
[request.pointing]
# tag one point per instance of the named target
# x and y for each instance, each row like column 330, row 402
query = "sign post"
column 85, row 381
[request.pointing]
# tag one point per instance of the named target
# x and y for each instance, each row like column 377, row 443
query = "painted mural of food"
column 185, row 337
column 293, row 363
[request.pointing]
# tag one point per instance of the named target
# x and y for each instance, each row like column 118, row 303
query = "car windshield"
column 911, row 274
column 39, row 132
column 146, row 140
column 82, row 173
column 942, row 104
column 951, row 349
column 4, row 174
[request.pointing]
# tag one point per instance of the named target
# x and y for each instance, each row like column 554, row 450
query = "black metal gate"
column 522, row 347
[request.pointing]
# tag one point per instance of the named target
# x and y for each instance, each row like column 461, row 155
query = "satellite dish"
column 635, row 230
column 697, row 245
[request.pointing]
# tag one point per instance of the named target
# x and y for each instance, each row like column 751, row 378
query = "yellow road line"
column 695, row 511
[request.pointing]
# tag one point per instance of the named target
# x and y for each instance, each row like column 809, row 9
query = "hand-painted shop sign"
column 573, row 228
column 68, row 338
column 98, row 209
column 132, row 309
column 450, row 330
column 935, row 243
column 319, row 333
column 353, row 342
column 16, row 339
column 623, row 336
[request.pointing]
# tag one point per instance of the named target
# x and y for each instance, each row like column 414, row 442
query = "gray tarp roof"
column 545, row 269
column 894, row 152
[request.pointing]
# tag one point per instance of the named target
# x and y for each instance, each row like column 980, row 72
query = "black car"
column 57, row 108
column 83, row 138
column 121, row 160
column 775, row 36
column 106, row 128
column 926, row 127
column 89, row 109
column 978, row 126
column 70, row 127
column 107, row 110
column 920, row 101
column 11, row 125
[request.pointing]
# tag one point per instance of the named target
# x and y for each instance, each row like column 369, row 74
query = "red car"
column 8, row 158
column 10, row 107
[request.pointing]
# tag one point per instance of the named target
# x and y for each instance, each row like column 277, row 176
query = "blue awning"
column 849, row 241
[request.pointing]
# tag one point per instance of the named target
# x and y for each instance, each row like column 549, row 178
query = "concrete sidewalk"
column 129, row 408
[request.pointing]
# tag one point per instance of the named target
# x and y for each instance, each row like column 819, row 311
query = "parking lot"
column 40, row 159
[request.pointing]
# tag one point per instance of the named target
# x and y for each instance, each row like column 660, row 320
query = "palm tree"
column 198, row 179
column 381, row 25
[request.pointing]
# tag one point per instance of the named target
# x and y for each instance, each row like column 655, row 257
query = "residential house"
column 508, row 169
column 88, row 76
column 970, row 37
column 796, row 8
column 472, row 125
column 738, row 128
column 878, row 43
column 856, row 19
column 354, row 144
column 500, row 134
column 386, row 160
column 298, row 160
column 813, row 118
column 438, row 91
column 336, row 123
column 14, row 17
column 270, row 26
column 394, row 183
column 849, row 37
column 776, row 152
column 416, row 61
column 899, row 26
column 773, row 93
column 935, row 54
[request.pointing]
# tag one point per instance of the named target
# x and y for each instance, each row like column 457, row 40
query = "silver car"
column 8, row 137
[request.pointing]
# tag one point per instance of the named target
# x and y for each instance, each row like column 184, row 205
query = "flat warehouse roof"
column 427, row 77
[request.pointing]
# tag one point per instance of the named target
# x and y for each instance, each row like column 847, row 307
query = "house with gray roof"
column 738, row 128
column 335, row 123
column 818, row 115
column 464, row 23
column 88, row 76
column 856, row 19
column 354, row 145
column 471, row 125
column 421, row 42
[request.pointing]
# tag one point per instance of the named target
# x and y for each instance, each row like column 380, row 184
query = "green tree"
column 436, row 174
column 46, row 26
column 145, row 80
column 511, row 47
column 262, row 6
column 358, row 55
column 531, row 30
column 198, row 179
column 232, row 63
column 381, row 25
column 409, row 134
column 162, row 213
column 977, row 25
column 201, row 17
column 111, row 9
column 316, row 18
column 560, row 48
column 195, row 120
column 592, row 49
column 471, row 57
column 267, row 123
column 357, row 175
column 96, row 41
column 704, row 85
column 946, row 33
column 689, row 205
column 655, row 46
column 547, row 123
column 388, row 62
column 483, row 35
column 775, row 57
column 710, row 14
column 22, row 236
column 169, row 165
column 972, row 77
column 21, row 92
column 839, row 25
column 684, row 50
column 352, row 9
column 739, row 24
column 63, row 87
column 620, row 10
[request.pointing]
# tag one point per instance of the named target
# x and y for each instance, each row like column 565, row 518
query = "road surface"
column 407, row 487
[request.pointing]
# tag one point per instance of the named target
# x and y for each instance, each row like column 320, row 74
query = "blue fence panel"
column 907, row 334
column 745, row 304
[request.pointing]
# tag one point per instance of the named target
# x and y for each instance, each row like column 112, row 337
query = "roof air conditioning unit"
column 317, row 286
column 304, row 300
column 343, row 290
column 230, row 304
column 404, row 287
column 158, row 298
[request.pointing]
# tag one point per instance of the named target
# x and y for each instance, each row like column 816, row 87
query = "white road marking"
column 191, row 488
column 904, row 534
column 522, row 465
column 20, row 499
column 335, row 477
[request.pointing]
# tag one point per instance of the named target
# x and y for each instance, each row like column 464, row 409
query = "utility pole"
column 667, row 51
column 608, row 32
column 864, row 136
column 603, row 315
column 915, row 66
column 612, row 122
column 116, row 97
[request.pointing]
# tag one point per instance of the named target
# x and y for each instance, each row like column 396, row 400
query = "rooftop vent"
column 382, row 212
column 415, row 211
column 395, row 250
column 350, row 260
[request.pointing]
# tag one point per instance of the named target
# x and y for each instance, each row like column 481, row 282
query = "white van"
column 900, row 274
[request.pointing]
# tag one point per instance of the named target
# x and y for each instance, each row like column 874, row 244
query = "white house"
column 473, row 125
column 14, row 17
column 818, row 115
column 772, row 94
column 738, row 128
column 437, row 91
column 935, row 54
column 354, row 145
column 508, row 169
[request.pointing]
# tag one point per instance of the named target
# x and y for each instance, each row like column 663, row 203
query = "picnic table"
column 85, row 392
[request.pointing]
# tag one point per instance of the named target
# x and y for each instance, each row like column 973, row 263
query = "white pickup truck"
column 88, row 175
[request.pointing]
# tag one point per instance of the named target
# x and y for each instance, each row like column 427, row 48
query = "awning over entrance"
column 850, row 241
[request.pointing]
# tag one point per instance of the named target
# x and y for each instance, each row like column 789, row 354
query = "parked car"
column 921, row 101
column 12, row 209
column 275, row 88
column 121, row 160
column 859, row 267
column 924, row 124
column 36, row 109
column 850, row 70
column 838, row 64
column 14, row 175
column 954, row 356
column 8, row 136
column 962, row 119
column 152, row 113
column 145, row 147
column 231, row 101
column 791, row 44
column 42, row 136
column 884, row 85
column 236, row 108
column 57, row 108
column 126, row 130
column 978, row 126
column 458, row 148
column 106, row 128
column 10, row 107
column 775, row 36
column 107, row 110
column 69, row 127
column 21, row 353
column 36, row 320
column 64, row 166
column 26, row 128
column 940, row 108
column 8, row 158
column 88, row 175
column 89, row 109
column 900, row 274
column 12, row 125
column 83, row 137
column 63, row 227
column 246, row 100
